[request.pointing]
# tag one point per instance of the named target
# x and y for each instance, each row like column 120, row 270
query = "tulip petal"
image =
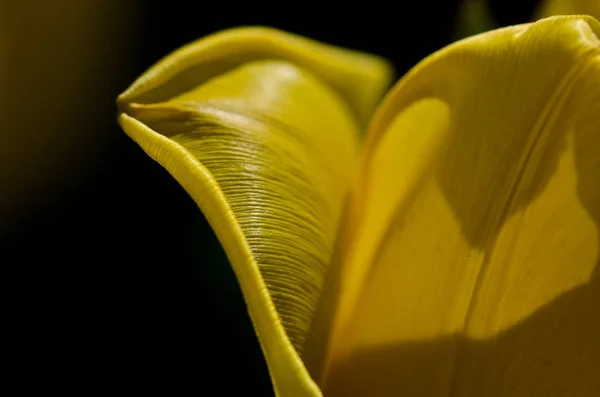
column 472, row 265
column 359, row 78
column 265, row 142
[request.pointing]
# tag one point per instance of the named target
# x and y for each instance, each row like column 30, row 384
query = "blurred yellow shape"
column 550, row 8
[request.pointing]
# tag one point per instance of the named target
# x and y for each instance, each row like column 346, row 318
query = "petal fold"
column 261, row 128
column 359, row 78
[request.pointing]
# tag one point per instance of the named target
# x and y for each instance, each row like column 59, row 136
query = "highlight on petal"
column 261, row 128
column 472, row 264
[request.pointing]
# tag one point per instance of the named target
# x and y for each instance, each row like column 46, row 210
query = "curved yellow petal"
column 472, row 264
column 359, row 78
column 260, row 127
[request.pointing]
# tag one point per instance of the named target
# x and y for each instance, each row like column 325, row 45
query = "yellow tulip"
column 453, row 251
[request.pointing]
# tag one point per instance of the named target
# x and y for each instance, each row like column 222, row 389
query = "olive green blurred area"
column 116, row 276
column 57, row 58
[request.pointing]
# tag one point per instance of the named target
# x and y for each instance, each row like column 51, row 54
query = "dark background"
column 116, row 280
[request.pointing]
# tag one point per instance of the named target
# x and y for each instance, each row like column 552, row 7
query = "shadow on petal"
column 555, row 352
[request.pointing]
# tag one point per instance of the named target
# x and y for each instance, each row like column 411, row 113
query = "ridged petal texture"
column 261, row 128
column 472, row 266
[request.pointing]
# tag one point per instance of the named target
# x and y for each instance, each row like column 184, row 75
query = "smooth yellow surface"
column 481, row 281
column 268, row 151
column 465, row 261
